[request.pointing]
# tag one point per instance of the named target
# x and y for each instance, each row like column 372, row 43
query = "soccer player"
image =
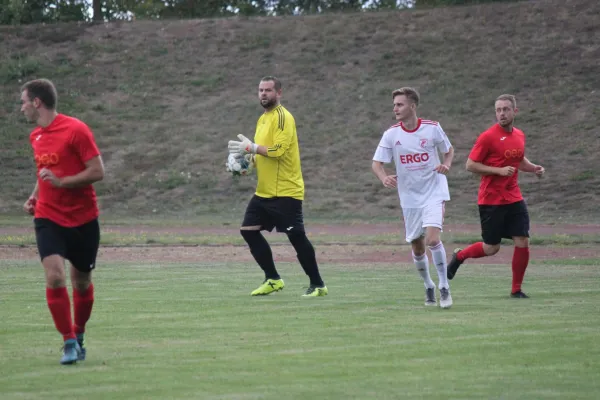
column 498, row 155
column 65, row 211
column 415, row 145
column 277, row 202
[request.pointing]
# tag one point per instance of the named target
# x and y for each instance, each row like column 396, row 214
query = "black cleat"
column 453, row 264
column 519, row 295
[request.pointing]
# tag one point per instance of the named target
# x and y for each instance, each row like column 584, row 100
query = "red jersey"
column 64, row 147
column 498, row 148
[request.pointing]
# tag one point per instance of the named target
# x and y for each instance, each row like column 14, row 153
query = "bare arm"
column 526, row 165
column 448, row 157
column 93, row 172
column 444, row 167
column 480, row 169
column 388, row 181
column 29, row 206
column 34, row 194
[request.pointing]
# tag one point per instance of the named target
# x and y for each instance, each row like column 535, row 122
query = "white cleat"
column 445, row 298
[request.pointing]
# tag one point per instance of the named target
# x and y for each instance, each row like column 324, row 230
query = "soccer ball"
column 240, row 165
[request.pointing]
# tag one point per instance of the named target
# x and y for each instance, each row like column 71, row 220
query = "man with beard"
column 277, row 202
column 498, row 155
column 65, row 210
column 415, row 145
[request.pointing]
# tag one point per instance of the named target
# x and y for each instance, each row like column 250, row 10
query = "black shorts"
column 503, row 221
column 78, row 244
column 283, row 213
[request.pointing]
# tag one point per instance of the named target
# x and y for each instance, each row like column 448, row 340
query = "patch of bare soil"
column 336, row 254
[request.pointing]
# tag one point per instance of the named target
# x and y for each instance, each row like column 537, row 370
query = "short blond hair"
column 509, row 97
column 410, row 93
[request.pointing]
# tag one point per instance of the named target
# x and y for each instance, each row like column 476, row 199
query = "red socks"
column 82, row 307
column 519, row 265
column 60, row 308
column 473, row 251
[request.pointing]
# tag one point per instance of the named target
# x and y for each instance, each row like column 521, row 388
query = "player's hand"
column 539, row 171
column 390, row 181
column 48, row 176
column 244, row 146
column 507, row 171
column 29, row 206
column 442, row 169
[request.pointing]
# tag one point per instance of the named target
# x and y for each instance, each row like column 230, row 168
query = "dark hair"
column 272, row 79
column 42, row 89
column 410, row 93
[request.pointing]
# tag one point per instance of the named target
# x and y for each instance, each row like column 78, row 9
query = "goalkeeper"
column 277, row 202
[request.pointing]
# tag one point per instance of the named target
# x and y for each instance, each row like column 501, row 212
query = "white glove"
column 243, row 147
column 232, row 160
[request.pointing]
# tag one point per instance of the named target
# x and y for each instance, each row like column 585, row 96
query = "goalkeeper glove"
column 245, row 146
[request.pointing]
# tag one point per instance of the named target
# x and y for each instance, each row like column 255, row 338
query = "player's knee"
column 432, row 241
column 300, row 242
column 55, row 271
column 249, row 234
column 521, row 241
column 418, row 246
column 491, row 249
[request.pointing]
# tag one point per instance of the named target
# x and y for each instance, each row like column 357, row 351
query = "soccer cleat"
column 453, row 264
column 445, row 298
column 519, row 295
column 430, row 297
column 316, row 291
column 82, row 351
column 268, row 286
column 70, row 352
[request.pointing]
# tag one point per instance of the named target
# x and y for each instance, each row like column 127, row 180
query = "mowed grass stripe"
column 183, row 331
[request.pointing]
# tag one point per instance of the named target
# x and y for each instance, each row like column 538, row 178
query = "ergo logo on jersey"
column 46, row 160
column 513, row 153
column 414, row 158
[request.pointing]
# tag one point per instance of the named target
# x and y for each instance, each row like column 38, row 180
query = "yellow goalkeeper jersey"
column 279, row 174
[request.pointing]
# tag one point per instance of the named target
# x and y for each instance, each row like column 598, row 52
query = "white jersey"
column 416, row 154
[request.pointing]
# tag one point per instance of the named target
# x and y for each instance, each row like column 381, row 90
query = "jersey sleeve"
column 441, row 141
column 284, row 132
column 384, row 152
column 83, row 143
column 480, row 149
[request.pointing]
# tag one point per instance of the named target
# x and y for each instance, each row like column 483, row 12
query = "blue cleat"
column 71, row 352
column 81, row 356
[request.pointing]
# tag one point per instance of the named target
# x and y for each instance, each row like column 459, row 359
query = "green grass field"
column 191, row 331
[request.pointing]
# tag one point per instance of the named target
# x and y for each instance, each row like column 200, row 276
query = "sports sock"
column 520, row 261
column 60, row 308
column 82, row 307
column 473, row 251
column 438, row 255
column 261, row 251
column 305, row 253
column 422, row 264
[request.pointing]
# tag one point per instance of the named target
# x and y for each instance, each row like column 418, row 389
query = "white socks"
column 438, row 254
column 422, row 264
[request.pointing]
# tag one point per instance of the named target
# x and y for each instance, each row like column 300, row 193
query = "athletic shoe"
column 70, row 352
column 430, row 297
column 316, row 291
column 453, row 264
column 82, row 351
column 519, row 295
column 445, row 298
column 268, row 286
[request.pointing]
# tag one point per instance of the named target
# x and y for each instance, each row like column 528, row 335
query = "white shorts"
column 417, row 219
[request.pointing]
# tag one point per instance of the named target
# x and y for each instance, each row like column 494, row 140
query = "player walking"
column 414, row 144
